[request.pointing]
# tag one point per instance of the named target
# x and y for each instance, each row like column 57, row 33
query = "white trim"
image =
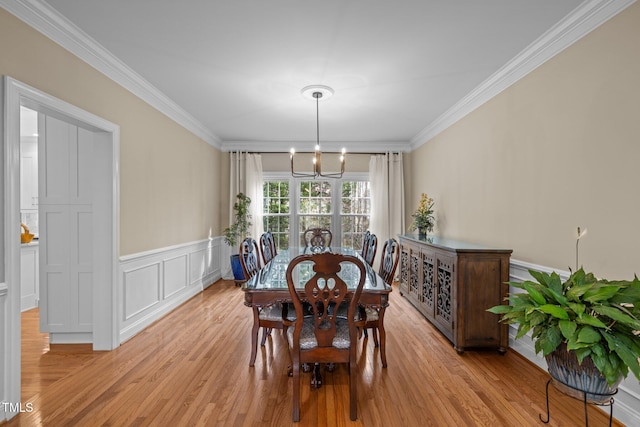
column 519, row 270
column 52, row 24
column 70, row 338
column 105, row 336
column 627, row 401
column 581, row 21
column 153, row 253
column 5, row 392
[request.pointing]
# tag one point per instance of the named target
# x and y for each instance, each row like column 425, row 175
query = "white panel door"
column 28, row 175
column 66, row 224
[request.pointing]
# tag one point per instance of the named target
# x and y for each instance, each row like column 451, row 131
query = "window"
column 276, row 211
column 315, row 206
column 291, row 206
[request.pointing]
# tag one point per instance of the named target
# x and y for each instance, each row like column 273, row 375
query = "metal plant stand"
column 596, row 399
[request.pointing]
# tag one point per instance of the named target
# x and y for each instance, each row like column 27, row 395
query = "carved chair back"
column 365, row 244
column 318, row 237
column 249, row 257
column 268, row 247
column 372, row 247
column 389, row 261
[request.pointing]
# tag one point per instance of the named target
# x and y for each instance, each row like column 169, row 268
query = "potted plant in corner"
column 586, row 328
column 238, row 231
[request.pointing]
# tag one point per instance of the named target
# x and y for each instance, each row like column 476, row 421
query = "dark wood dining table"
column 269, row 287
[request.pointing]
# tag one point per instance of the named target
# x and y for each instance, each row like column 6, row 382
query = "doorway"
column 105, row 333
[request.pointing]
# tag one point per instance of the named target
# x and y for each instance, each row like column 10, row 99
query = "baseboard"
column 71, row 338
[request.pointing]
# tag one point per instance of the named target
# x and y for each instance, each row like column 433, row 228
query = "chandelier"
column 316, row 92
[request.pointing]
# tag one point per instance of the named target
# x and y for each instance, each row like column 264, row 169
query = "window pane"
column 276, row 211
column 315, row 197
column 355, row 211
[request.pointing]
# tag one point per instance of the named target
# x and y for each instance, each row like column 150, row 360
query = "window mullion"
column 294, row 211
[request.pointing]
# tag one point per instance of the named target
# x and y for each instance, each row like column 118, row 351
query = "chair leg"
column 353, row 397
column 374, row 332
column 254, row 336
column 296, row 389
column 265, row 332
column 316, row 377
column 383, row 338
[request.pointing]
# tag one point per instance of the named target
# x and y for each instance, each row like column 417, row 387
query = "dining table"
column 269, row 287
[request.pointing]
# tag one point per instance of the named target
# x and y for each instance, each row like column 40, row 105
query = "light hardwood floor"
column 191, row 368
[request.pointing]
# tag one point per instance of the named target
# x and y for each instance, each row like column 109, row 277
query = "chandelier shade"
column 316, row 92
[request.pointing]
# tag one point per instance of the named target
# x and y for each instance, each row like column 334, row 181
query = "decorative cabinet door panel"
column 429, row 294
column 414, row 273
column 445, row 294
column 404, row 269
column 66, row 226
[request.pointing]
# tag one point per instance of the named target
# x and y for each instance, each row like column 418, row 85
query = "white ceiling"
column 237, row 66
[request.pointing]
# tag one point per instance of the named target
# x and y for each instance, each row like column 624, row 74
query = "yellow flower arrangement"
column 423, row 219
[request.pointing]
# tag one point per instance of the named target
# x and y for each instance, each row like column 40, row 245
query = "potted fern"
column 586, row 328
column 238, row 231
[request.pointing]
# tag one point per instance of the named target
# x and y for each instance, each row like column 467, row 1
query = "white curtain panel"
column 387, row 197
column 253, row 189
column 245, row 177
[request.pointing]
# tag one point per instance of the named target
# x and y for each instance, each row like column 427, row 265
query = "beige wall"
column 280, row 162
column 557, row 150
column 170, row 180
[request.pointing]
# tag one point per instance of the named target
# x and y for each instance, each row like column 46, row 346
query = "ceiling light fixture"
column 317, row 92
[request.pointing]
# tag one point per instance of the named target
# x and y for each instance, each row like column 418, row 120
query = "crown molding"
column 585, row 18
column 49, row 22
column 308, row 146
column 581, row 21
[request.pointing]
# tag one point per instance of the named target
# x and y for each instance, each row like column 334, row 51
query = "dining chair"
column 365, row 244
column 372, row 247
column 317, row 237
column 388, row 265
column 268, row 317
column 249, row 257
column 324, row 337
column 268, row 247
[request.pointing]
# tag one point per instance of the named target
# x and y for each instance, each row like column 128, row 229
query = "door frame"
column 106, row 225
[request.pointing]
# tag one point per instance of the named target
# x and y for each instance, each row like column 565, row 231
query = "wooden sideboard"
column 452, row 284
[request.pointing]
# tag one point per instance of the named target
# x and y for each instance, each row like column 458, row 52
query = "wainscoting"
column 155, row 282
column 627, row 401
